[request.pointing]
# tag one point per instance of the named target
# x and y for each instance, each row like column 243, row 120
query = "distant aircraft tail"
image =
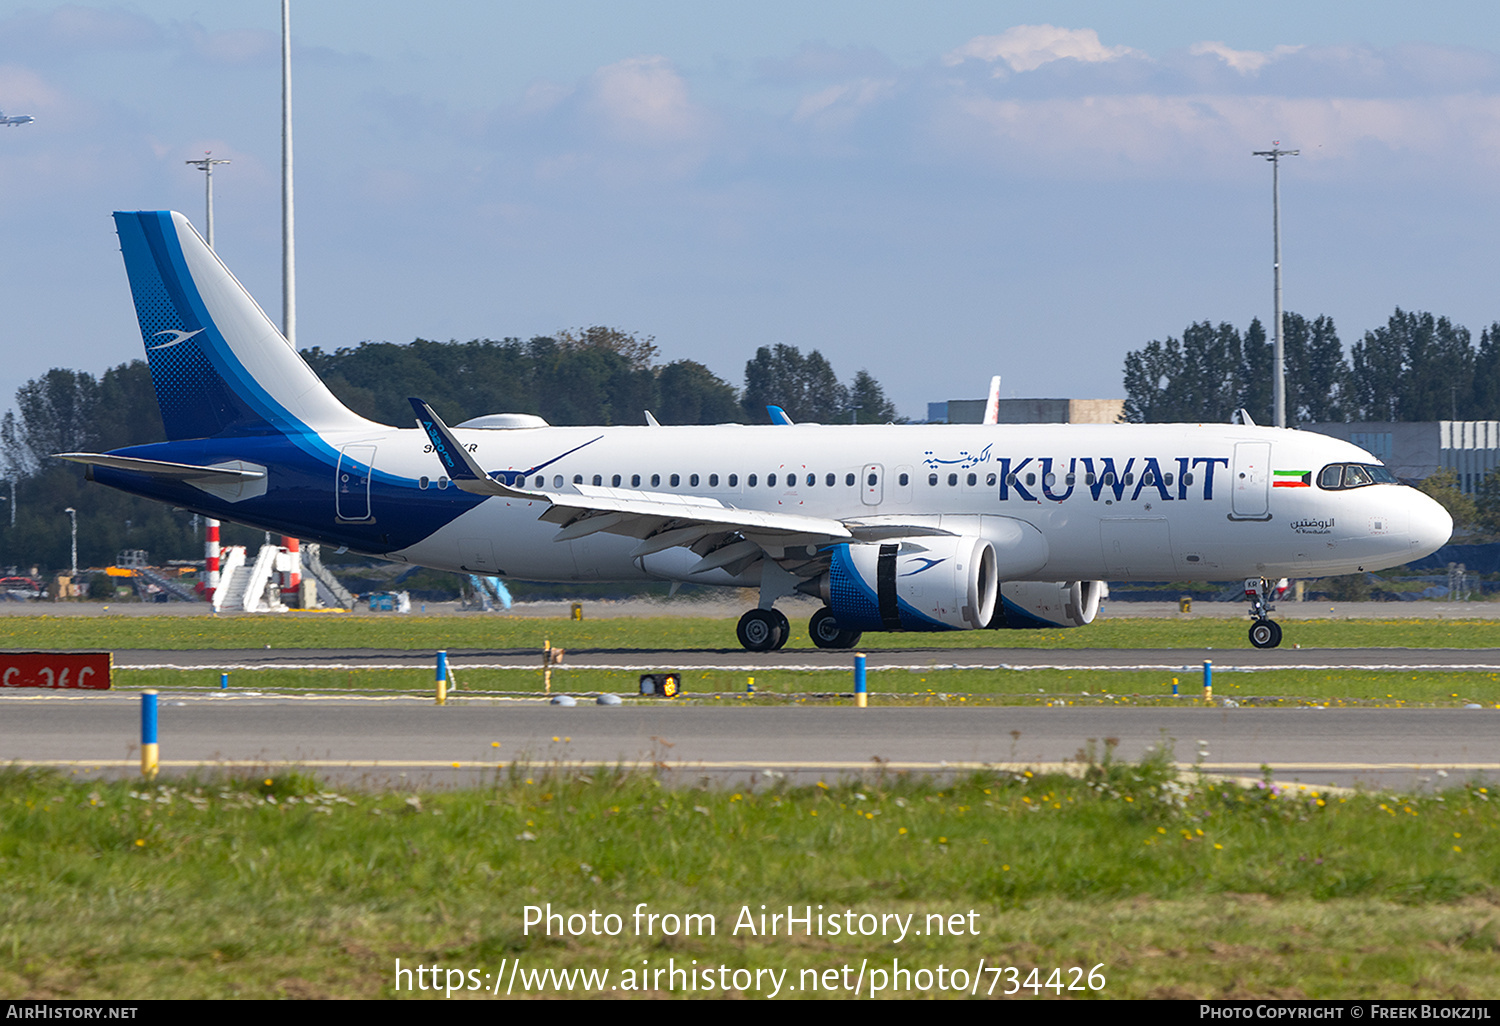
column 219, row 365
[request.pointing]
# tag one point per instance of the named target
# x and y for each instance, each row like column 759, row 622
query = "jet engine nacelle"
column 913, row 584
column 1036, row 604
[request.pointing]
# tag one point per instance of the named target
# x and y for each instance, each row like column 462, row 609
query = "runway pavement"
column 1487, row 660
column 403, row 739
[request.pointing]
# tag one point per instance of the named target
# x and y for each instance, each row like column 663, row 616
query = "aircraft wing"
column 724, row 536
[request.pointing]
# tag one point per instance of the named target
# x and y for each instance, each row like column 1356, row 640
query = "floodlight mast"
column 1278, row 372
column 211, row 526
column 206, row 165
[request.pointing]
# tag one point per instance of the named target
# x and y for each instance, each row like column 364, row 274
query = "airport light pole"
column 73, row 517
column 1278, row 373
column 211, row 532
column 206, row 165
column 288, row 248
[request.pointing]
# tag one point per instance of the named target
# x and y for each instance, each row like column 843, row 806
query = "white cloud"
column 1028, row 47
column 1190, row 135
column 646, row 97
column 845, row 99
column 1246, row 62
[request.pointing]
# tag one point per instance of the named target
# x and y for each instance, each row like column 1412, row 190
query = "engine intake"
column 935, row 583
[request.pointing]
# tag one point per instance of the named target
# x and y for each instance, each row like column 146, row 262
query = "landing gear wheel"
column 760, row 630
column 784, row 627
column 826, row 632
column 1265, row 634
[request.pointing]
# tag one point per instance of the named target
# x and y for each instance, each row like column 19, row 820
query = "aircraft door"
column 1252, row 481
column 871, row 484
column 351, row 482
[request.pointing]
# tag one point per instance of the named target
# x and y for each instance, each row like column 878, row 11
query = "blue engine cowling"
column 939, row 583
column 1041, row 604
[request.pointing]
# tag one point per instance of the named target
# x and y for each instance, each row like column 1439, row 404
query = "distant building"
column 1418, row 449
column 1030, row 411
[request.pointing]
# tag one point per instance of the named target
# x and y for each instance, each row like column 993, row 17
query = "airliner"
column 15, row 119
column 893, row 527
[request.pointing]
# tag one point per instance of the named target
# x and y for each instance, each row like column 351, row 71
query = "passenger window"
column 557, row 482
column 932, row 479
column 952, row 480
column 578, row 479
column 423, row 482
column 1010, row 479
column 872, row 480
column 1187, row 478
column 693, row 481
column 849, row 480
column 615, row 480
column 598, row 480
column 972, row 479
column 812, row 479
column 1109, row 477
column 904, row 479
column 635, row 480
column 1088, row 479
column 734, row 480
column 991, row 480
column 749, row 481
column 1050, row 480
column 831, row 480
column 1031, row 479
column 675, row 480
column 770, row 480
column 1070, row 480
column 713, row 480
column 1130, row 479
column 1167, row 478
column 442, row 483
column 655, row 480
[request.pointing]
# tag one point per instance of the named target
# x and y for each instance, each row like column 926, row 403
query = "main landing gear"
column 765, row 630
column 1264, row 632
column 826, row 632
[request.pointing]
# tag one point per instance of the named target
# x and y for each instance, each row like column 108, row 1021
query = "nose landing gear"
column 1264, row 632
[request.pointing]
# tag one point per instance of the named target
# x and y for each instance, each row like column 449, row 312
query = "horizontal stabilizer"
column 161, row 468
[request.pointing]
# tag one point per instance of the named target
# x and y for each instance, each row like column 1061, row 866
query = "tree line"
column 594, row 375
column 1416, row 366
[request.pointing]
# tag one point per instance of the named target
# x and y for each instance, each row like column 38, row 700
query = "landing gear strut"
column 1264, row 632
column 763, row 630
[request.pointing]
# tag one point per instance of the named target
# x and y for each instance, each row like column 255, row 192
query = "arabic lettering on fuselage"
column 965, row 461
column 1035, row 478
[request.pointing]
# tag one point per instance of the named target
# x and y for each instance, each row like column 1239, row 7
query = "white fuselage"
column 1117, row 502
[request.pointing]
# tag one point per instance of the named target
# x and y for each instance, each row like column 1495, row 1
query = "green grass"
column 331, row 630
column 276, row 886
column 1019, row 687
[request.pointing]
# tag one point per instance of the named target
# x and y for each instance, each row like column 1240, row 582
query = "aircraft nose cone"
column 1431, row 526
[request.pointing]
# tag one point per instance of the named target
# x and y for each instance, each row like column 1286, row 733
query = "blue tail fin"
column 219, row 365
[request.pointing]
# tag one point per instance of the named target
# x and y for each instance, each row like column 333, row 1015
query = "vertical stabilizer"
column 218, row 363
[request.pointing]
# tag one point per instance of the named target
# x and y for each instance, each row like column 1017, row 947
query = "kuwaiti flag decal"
column 1292, row 479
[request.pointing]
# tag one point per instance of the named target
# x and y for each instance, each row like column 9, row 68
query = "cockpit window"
column 1337, row 476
